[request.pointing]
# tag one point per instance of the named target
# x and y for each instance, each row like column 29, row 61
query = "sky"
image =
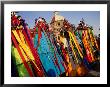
column 91, row 18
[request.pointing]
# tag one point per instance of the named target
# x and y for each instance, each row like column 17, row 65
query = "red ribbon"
column 35, row 54
column 15, row 21
column 22, row 57
column 40, row 26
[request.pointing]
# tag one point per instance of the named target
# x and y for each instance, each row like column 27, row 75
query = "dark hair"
column 18, row 16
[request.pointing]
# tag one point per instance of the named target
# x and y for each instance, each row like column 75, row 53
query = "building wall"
column 57, row 25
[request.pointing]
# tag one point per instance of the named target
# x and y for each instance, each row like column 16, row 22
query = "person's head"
column 19, row 17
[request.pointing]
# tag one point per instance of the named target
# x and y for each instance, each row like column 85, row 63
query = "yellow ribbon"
column 75, row 41
column 86, row 44
column 23, row 45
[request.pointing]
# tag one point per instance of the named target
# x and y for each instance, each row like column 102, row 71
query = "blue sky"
column 91, row 17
